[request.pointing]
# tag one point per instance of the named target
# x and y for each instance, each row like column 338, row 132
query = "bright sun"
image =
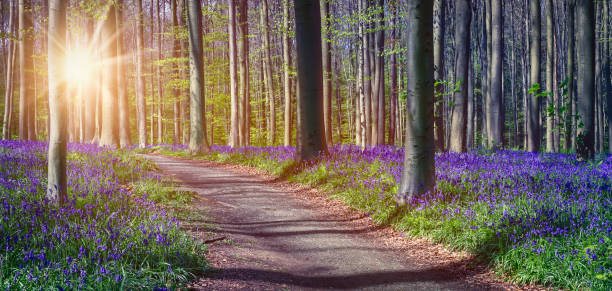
column 80, row 66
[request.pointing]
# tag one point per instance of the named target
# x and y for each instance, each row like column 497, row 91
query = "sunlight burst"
column 80, row 66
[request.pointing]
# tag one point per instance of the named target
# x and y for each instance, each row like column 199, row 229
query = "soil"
column 267, row 234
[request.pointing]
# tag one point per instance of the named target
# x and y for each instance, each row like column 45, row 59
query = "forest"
column 306, row 144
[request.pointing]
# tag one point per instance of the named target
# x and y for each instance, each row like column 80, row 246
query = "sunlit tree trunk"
column 177, row 92
column 463, row 14
column 159, row 78
column 327, row 84
column 367, row 83
column 311, row 131
column 379, row 75
column 243, row 53
column 197, row 139
column 235, row 121
column 183, row 75
column 109, row 135
column 585, row 39
column 268, row 73
column 10, row 61
column 286, row 73
column 141, row 106
column 26, row 124
column 56, row 179
column 418, row 173
column 124, row 110
column 533, row 127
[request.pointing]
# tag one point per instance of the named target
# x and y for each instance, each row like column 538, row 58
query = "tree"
column 109, row 135
column 197, row 138
column 495, row 104
column 268, row 74
column 438, row 46
column 418, row 173
column 533, row 123
column 141, row 106
column 585, row 50
column 26, row 92
column 243, row 53
column 550, row 67
column 570, row 73
column 379, row 75
column 234, row 132
column 56, row 182
column 327, row 71
column 177, row 92
column 606, row 74
column 122, row 96
column 463, row 14
column 10, row 64
column 311, row 131
column 286, row 73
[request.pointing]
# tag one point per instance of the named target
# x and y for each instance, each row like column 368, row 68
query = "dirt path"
column 287, row 238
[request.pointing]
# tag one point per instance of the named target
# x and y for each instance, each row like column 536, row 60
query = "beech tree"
column 198, row 142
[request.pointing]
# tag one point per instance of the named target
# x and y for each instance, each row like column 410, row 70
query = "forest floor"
column 268, row 234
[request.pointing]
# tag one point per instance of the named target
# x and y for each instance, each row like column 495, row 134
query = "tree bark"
column 367, row 84
column 286, row 73
column 495, row 105
column 418, row 174
column 109, row 135
column 177, row 92
column 550, row 64
column 463, row 14
column 533, row 128
column 569, row 132
column 243, row 53
column 10, row 61
column 393, row 117
column 140, row 86
column 26, row 130
column 586, row 77
column 438, row 47
column 268, row 73
column 56, row 178
column 124, row 110
column 235, row 121
column 327, row 72
column 311, row 131
column 379, row 79
column 160, row 133
column 197, row 139
column 607, row 90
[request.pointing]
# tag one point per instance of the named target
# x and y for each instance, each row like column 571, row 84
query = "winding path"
column 280, row 241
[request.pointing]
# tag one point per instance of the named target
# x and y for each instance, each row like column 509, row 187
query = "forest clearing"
column 305, row 145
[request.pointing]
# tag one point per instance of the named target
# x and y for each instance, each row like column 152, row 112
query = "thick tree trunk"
column 141, row 115
column 56, row 178
column 268, row 74
column 287, row 74
column 533, row 128
column 26, row 97
column 438, row 46
column 327, row 72
column 311, row 131
column 586, row 77
column 10, row 61
column 463, row 14
column 124, row 110
column 109, row 135
column 197, row 139
column 418, row 174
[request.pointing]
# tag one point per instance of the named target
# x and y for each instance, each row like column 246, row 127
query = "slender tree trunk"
column 243, row 52
column 569, row 132
column 393, row 117
column 235, row 106
column 311, row 131
column 26, row 131
column 177, row 92
column 159, row 77
column 140, row 86
column 549, row 76
column 418, row 173
column 496, row 99
column 607, row 90
column 124, row 119
column 438, row 30
column 463, row 14
column 56, row 178
column 8, row 93
column 533, row 128
column 198, row 141
column 286, row 73
column 268, row 73
column 367, row 84
column 183, row 73
column 379, row 80
column 327, row 72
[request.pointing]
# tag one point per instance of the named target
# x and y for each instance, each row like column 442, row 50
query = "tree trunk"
column 379, row 79
column 549, row 76
column 586, row 77
column 124, row 111
column 10, row 61
column 159, row 76
column 268, row 73
column 438, row 46
column 311, row 131
column 235, row 108
column 286, row 73
column 607, row 90
column 496, row 99
column 327, row 72
column 26, row 130
column 184, row 101
column 533, row 128
column 57, row 182
column 109, row 135
column 177, row 92
column 569, row 136
column 367, row 84
column 418, row 174
column 197, row 139
column 463, row 14
column 393, row 117
column 243, row 53
column 140, row 86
